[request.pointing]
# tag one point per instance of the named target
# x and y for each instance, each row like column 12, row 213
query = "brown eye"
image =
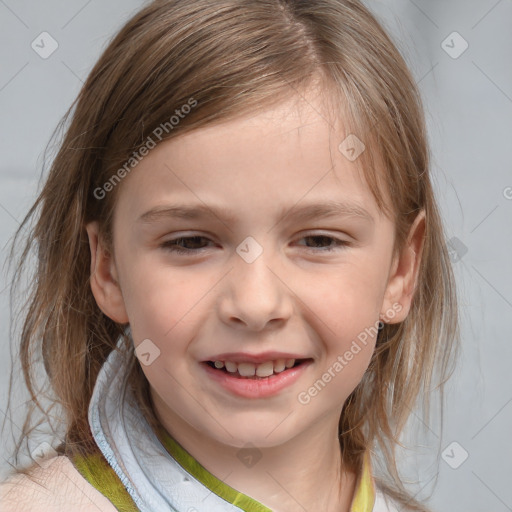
column 184, row 245
column 319, row 241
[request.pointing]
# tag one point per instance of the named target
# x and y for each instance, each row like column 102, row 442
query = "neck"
column 305, row 473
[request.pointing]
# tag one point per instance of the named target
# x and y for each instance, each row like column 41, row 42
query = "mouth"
column 263, row 371
column 256, row 380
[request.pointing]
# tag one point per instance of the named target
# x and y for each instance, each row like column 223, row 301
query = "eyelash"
column 171, row 245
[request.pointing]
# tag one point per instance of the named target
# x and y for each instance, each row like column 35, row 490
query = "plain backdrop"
column 460, row 53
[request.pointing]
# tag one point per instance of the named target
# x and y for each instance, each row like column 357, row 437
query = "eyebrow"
column 299, row 213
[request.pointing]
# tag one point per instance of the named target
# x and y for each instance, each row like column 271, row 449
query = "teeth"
column 265, row 369
column 279, row 366
column 246, row 369
column 230, row 366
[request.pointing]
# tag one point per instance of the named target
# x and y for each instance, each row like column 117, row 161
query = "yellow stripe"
column 190, row 464
column 98, row 472
column 364, row 497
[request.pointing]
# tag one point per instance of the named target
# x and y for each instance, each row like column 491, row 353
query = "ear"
column 104, row 284
column 404, row 274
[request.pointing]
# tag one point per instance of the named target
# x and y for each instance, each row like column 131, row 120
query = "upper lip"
column 244, row 357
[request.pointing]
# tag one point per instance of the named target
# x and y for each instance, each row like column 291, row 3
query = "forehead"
column 285, row 155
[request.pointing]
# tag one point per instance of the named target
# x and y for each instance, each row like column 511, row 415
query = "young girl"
column 242, row 282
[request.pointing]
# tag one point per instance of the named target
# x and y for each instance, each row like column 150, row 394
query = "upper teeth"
column 260, row 370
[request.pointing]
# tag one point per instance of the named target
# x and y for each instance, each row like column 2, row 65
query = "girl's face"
column 242, row 239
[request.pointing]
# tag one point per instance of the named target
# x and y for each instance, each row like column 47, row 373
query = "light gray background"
column 469, row 110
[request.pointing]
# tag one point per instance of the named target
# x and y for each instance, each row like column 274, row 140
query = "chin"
column 257, row 433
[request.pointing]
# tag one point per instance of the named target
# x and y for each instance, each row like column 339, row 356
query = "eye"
column 176, row 245
column 193, row 244
column 326, row 239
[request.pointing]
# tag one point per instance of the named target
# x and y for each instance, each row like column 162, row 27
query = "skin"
column 295, row 297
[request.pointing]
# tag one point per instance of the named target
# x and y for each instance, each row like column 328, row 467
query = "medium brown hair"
column 235, row 57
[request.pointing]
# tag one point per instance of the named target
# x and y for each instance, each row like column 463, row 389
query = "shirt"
column 87, row 484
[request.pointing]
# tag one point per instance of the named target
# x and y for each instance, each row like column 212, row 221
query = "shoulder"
column 384, row 503
column 55, row 486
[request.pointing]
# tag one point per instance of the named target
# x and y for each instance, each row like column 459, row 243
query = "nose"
column 255, row 295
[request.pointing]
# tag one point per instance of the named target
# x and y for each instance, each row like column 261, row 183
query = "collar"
column 96, row 470
column 364, row 495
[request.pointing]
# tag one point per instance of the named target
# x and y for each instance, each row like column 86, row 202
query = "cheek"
column 155, row 295
column 343, row 309
column 345, row 300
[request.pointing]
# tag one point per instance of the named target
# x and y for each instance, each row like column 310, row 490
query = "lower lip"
column 256, row 388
